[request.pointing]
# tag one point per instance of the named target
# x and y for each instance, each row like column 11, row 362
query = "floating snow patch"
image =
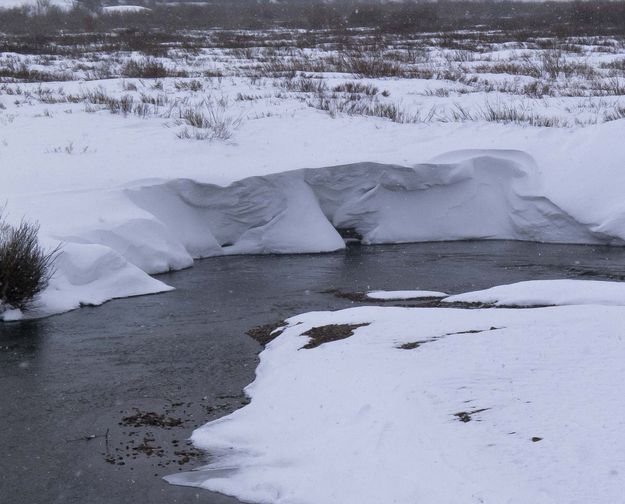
column 493, row 406
column 406, row 294
column 547, row 292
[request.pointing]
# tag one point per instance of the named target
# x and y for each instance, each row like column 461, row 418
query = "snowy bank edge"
column 293, row 392
column 163, row 225
column 559, row 292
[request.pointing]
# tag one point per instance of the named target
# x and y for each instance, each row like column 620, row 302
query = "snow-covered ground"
column 270, row 148
column 433, row 405
column 138, row 165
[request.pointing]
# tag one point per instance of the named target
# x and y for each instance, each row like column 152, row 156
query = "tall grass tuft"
column 208, row 121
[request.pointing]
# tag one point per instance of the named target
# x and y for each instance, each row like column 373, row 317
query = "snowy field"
column 433, row 405
column 138, row 160
column 235, row 142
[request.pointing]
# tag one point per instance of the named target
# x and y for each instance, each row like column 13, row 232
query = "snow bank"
column 271, row 214
column 407, row 294
column 491, row 405
column 487, row 195
column 547, row 292
column 88, row 274
column 160, row 225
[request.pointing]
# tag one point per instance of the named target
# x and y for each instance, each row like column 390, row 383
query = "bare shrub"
column 208, row 120
column 503, row 113
column 356, row 88
column 536, row 89
column 617, row 64
column 148, row 68
column 25, row 266
column 146, row 105
column 19, row 71
column 439, row 92
column 371, row 65
column 335, row 106
column 618, row 112
column 305, row 85
column 192, row 85
column 613, row 86
column 510, row 68
column 123, row 105
column 553, row 63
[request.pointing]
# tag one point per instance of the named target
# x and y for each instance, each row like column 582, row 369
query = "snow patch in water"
column 405, row 294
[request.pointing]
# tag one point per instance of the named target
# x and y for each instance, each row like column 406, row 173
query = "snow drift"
column 88, row 274
column 430, row 405
column 487, row 195
column 161, row 225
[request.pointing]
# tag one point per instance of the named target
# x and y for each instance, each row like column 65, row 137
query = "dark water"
column 185, row 354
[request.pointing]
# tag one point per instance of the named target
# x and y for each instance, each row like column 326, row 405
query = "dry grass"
column 148, row 68
column 209, row 120
column 25, row 266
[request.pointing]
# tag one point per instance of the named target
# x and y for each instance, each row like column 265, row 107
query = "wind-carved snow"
column 160, row 225
column 273, row 214
column 488, row 195
column 430, row 405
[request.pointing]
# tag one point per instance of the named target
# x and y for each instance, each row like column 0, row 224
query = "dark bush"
column 25, row 266
column 148, row 68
